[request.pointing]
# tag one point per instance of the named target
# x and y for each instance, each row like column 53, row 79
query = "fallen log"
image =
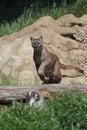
column 8, row 94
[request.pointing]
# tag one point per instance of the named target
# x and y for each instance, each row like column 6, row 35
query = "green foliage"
column 7, row 80
column 22, row 21
column 67, row 112
column 32, row 14
column 28, row 17
column 79, row 8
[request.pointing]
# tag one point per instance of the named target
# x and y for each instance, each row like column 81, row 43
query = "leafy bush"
column 67, row 112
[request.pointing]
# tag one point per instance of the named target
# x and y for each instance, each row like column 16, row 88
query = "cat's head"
column 37, row 43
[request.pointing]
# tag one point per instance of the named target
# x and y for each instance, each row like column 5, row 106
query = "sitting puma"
column 47, row 63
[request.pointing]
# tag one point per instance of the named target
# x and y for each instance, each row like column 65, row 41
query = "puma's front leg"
column 41, row 70
column 42, row 77
column 41, row 74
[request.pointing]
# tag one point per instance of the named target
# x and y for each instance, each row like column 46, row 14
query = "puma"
column 47, row 63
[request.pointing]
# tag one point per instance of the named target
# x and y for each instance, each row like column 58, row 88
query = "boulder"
column 16, row 53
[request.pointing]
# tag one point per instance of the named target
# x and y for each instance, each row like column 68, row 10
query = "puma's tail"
column 71, row 67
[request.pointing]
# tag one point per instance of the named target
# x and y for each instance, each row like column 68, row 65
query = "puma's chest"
column 37, row 59
column 48, row 70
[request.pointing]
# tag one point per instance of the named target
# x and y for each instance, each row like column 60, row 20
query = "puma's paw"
column 41, row 75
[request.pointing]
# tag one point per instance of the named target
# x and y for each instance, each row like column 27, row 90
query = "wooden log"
column 11, row 93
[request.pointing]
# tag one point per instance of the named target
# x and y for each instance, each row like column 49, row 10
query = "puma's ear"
column 31, row 38
column 41, row 37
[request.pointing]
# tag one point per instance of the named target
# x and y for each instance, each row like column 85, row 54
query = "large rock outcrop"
column 61, row 36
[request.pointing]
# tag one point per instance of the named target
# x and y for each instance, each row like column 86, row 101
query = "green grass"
column 25, row 19
column 28, row 17
column 79, row 8
column 8, row 80
column 31, row 15
column 67, row 112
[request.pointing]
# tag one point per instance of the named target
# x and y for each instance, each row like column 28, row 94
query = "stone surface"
column 16, row 53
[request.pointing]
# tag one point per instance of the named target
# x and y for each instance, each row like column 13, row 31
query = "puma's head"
column 37, row 43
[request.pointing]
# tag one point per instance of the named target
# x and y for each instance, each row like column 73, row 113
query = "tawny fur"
column 47, row 63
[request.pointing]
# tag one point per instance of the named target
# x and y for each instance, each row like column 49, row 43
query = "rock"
column 70, row 20
column 83, row 19
column 16, row 53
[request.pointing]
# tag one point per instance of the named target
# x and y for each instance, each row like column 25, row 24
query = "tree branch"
column 8, row 94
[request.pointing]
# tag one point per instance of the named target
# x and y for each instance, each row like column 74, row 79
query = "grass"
column 8, row 80
column 24, row 20
column 32, row 14
column 79, row 8
column 27, row 18
column 67, row 112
